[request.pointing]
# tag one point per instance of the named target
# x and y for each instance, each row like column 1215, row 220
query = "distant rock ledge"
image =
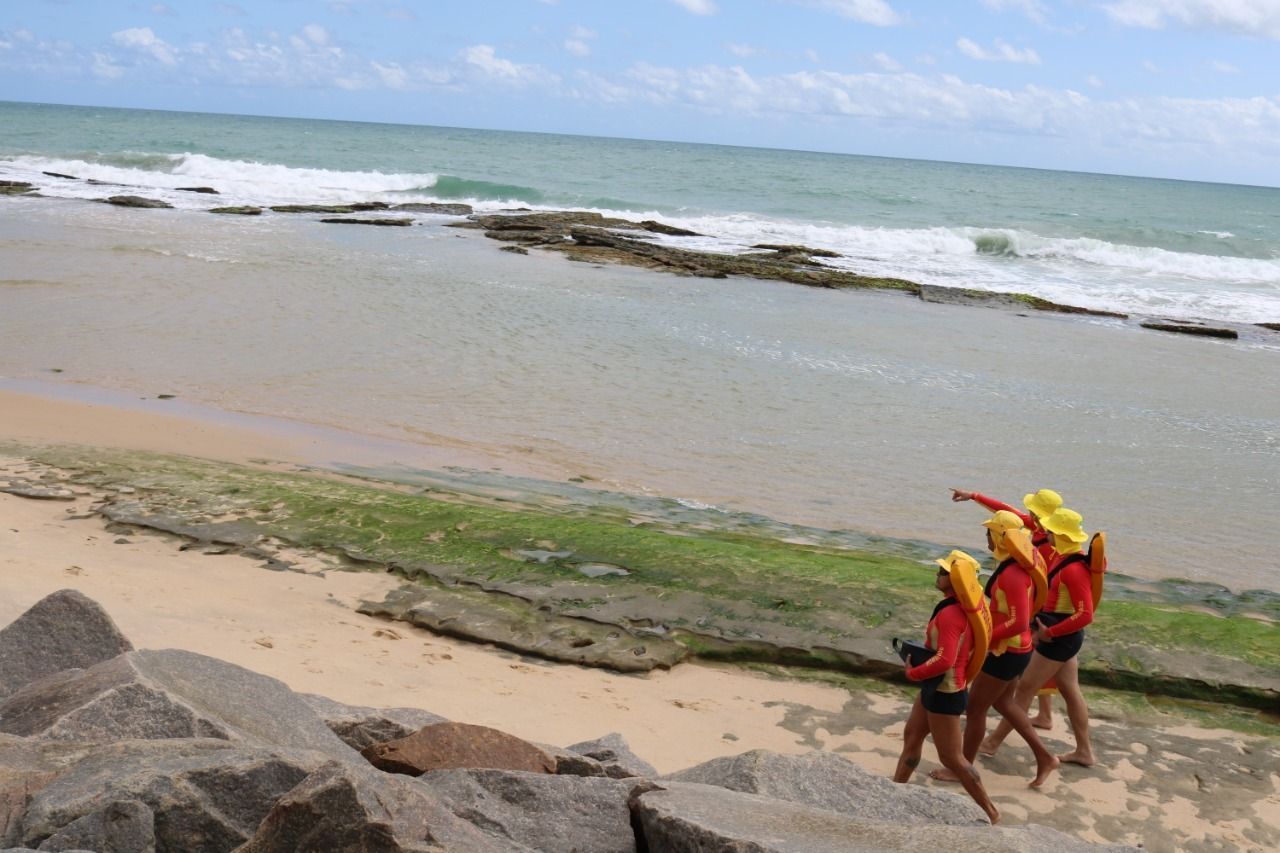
column 587, row 236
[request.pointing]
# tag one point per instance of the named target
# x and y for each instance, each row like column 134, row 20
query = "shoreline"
column 815, row 605
column 44, row 412
column 1162, row 781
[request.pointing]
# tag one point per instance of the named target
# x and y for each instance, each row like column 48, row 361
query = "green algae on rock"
column 508, row 564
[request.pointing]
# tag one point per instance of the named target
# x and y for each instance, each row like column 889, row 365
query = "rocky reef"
column 624, row 586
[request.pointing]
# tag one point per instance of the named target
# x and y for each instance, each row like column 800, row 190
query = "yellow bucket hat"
column 1066, row 522
column 1043, row 503
column 957, row 559
column 1003, row 521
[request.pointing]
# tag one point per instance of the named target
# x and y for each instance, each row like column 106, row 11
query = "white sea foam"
column 237, row 181
column 1080, row 271
column 1085, row 271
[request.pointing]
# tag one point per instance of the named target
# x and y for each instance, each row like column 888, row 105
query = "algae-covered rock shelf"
column 582, row 576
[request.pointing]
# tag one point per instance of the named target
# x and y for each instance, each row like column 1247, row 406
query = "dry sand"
column 1172, row 789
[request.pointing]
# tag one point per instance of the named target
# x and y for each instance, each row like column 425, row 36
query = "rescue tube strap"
column 991, row 581
column 1071, row 559
column 942, row 605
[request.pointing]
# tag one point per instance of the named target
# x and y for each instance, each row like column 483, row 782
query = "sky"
column 1184, row 89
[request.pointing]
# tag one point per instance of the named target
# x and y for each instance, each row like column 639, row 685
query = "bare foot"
column 1045, row 723
column 988, row 747
column 942, row 774
column 1043, row 769
column 993, row 814
column 1084, row 759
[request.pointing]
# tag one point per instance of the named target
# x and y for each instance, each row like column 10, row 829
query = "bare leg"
column 1040, row 670
column 945, row 729
column 1077, row 714
column 984, row 691
column 1016, row 715
column 1044, row 718
column 913, row 736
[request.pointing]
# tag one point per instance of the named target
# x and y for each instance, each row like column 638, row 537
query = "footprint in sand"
column 265, row 642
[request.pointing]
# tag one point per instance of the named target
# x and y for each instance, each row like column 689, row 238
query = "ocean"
column 838, row 409
column 1174, row 248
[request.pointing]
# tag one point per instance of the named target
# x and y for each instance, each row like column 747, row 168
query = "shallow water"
column 836, row 409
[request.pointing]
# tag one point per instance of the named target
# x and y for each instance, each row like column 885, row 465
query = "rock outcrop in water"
column 386, row 220
column 585, row 236
column 135, row 201
column 258, row 769
column 1193, row 329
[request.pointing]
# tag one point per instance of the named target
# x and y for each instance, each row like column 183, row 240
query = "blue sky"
column 1173, row 88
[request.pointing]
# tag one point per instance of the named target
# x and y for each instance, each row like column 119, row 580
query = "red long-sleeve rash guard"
column 1011, row 599
column 951, row 638
column 1039, row 538
column 1070, row 591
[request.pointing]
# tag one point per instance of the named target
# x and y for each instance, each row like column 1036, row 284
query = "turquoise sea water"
column 1171, row 248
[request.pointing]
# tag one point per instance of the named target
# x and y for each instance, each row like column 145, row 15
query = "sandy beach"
column 1170, row 786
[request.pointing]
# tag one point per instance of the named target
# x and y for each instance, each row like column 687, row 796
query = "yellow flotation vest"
column 1097, row 565
column 1018, row 544
column 968, row 590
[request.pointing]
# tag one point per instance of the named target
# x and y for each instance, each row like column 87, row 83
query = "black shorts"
column 1007, row 666
column 937, row 702
column 1062, row 648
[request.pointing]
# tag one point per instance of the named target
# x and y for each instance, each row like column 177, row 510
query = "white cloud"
column 143, row 40
column 1150, row 67
column 1003, row 52
column 161, row 9
column 576, row 44
column 596, row 89
column 103, row 66
column 483, row 58
column 1196, row 127
column 743, row 51
column 1033, row 9
column 697, row 7
column 1246, row 17
column 885, row 62
column 316, row 34
column 392, row 75
column 10, row 40
column 875, row 12
column 1095, row 81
